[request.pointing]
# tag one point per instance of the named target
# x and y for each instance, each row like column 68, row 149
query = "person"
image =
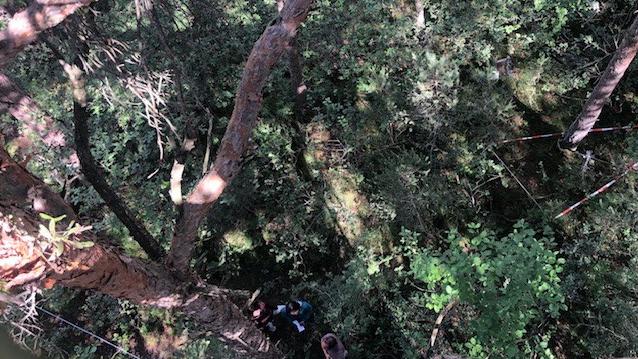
column 333, row 347
column 263, row 315
column 297, row 312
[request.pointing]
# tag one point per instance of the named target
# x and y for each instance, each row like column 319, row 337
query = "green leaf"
column 84, row 244
column 58, row 249
column 44, row 232
column 45, row 216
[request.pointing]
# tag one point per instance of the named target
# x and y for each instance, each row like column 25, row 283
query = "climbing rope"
column 587, row 157
column 632, row 167
column 105, row 341
column 558, row 134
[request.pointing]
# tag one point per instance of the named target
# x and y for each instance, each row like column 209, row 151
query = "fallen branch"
column 437, row 326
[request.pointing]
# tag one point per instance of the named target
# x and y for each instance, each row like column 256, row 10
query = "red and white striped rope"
column 633, row 166
column 557, row 134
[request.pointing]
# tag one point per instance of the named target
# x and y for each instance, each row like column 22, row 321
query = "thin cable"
column 534, row 137
column 519, row 182
column 558, row 134
column 118, row 348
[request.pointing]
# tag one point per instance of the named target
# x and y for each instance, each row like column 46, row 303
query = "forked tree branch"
column 265, row 54
column 26, row 258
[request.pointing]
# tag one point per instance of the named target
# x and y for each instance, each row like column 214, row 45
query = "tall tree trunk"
column 296, row 81
column 264, row 55
column 420, row 14
column 24, row 27
column 24, row 261
column 95, row 174
column 606, row 85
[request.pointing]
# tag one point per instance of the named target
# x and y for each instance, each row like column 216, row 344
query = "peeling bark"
column 26, row 25
column 265, row 53
column 608, row 81
column 95, row 174
column 104, row 269
column 177, row 171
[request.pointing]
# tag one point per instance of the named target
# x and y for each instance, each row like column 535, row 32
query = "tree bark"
column 265, row 53
column 34, row 122
column 24, row 27
column 420, row 14
column 103, row 268
column 18, row 186
column 95, row 174
column 606, row 84
column 296, row 81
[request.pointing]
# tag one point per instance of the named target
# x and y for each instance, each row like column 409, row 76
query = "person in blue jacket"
column 297, row 312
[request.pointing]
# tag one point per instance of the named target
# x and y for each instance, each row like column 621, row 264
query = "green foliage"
column 57, row 241
column 412, row 118
column 512, row 283
column 84, row 352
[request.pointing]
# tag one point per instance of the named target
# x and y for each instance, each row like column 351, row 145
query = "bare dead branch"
column 437, row 326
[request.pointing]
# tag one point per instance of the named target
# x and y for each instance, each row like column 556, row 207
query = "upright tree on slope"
column 104, row 269
column 606, row 85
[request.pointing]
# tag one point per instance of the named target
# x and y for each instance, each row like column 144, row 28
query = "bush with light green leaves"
column 507, row 287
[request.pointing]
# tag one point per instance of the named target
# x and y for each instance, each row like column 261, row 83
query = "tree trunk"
column 296, row 81
column 265, row 53
column 24, row 27
column 420, row 14
column 606, row 85
column 102, row 268
column 95, row 174
column 18, row 186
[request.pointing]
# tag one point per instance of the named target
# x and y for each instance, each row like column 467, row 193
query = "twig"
column 437, row 326
column 208, row 140
column 517, row 180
